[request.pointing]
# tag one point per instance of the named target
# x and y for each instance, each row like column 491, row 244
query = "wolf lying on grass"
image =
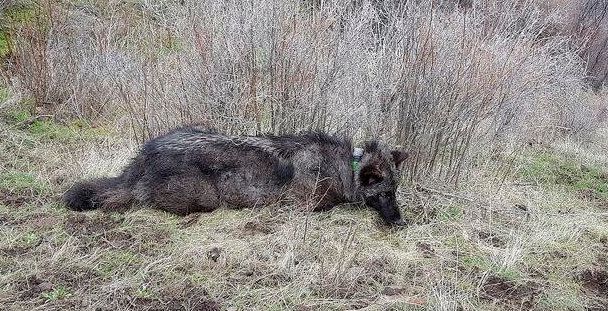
column 198, row 170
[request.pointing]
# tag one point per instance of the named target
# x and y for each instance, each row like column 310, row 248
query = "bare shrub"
column 447, row 79
column 590, row 26
column 26, row 26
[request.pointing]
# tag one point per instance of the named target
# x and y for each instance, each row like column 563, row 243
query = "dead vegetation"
column 451, row 82
column 500, row 102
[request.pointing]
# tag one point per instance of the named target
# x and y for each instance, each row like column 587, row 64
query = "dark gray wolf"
column 198, row 170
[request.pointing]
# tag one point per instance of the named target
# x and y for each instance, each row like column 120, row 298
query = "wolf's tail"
column 106, row 193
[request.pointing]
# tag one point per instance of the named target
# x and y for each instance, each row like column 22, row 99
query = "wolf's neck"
column 355, row 167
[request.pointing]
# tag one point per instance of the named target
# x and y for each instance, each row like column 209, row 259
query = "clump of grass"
column 49, row 129
column 58, row 293
column 551, row 169
column 479, row 263
column 4, row 47
column 18, row 116
column 144, row 292
column 19, row 112
column 14, row 181
column 562, row 296
column 476, row 262
column 451, row 213
column 31, row 239
column 115, row 261
column 4, row 92
column 20, row 13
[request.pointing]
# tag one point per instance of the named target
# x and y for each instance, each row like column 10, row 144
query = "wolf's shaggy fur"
column 198, row 170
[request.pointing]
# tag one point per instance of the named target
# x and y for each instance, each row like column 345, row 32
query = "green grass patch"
column 198, row 278
column 170, row 45
column 21, row 13
column 15, row 16
column 562, row 294
column 4, row 47
column 145, row 292
column 509, row 274
column 22, row 181
column 480, row 263
column 18, row 113
column 4, row 93
column 58, row 293
column 31, row 239
column 451, row 213
column 474, row 262
column 115, row 261
column 46, row 129
column 19, row 116
column 551, row 169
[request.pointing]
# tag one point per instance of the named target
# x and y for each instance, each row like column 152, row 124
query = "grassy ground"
column 532, row 237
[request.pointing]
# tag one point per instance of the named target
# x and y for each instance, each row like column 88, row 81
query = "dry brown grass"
column 498, row 243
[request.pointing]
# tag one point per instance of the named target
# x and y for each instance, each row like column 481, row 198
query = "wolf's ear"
column 399, row 155
column 370, row 175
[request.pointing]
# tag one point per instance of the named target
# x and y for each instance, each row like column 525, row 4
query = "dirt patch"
column 185, row 296
column 41, row 221
column 10, row 220
column 188, row 297
column 118, row 239
column 595, row 281
column 73, row 277
column 511, row 293
column 13, row 199
column 189, row 220
column 593, row 195
column 14, row 250
column 79, row 224
column 491, row 239
column 32, row 287
column 257, row 227
column 426, row 249
column 150, row 240
column 199, row 303
column 104, row 231
column 361, row 281
column 378, row 270
column 393, row 290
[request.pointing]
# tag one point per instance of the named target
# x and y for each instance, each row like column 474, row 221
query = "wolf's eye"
column 370, row 179
column 370, row 175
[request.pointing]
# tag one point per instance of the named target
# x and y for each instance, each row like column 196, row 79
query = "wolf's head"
column 379, row 172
